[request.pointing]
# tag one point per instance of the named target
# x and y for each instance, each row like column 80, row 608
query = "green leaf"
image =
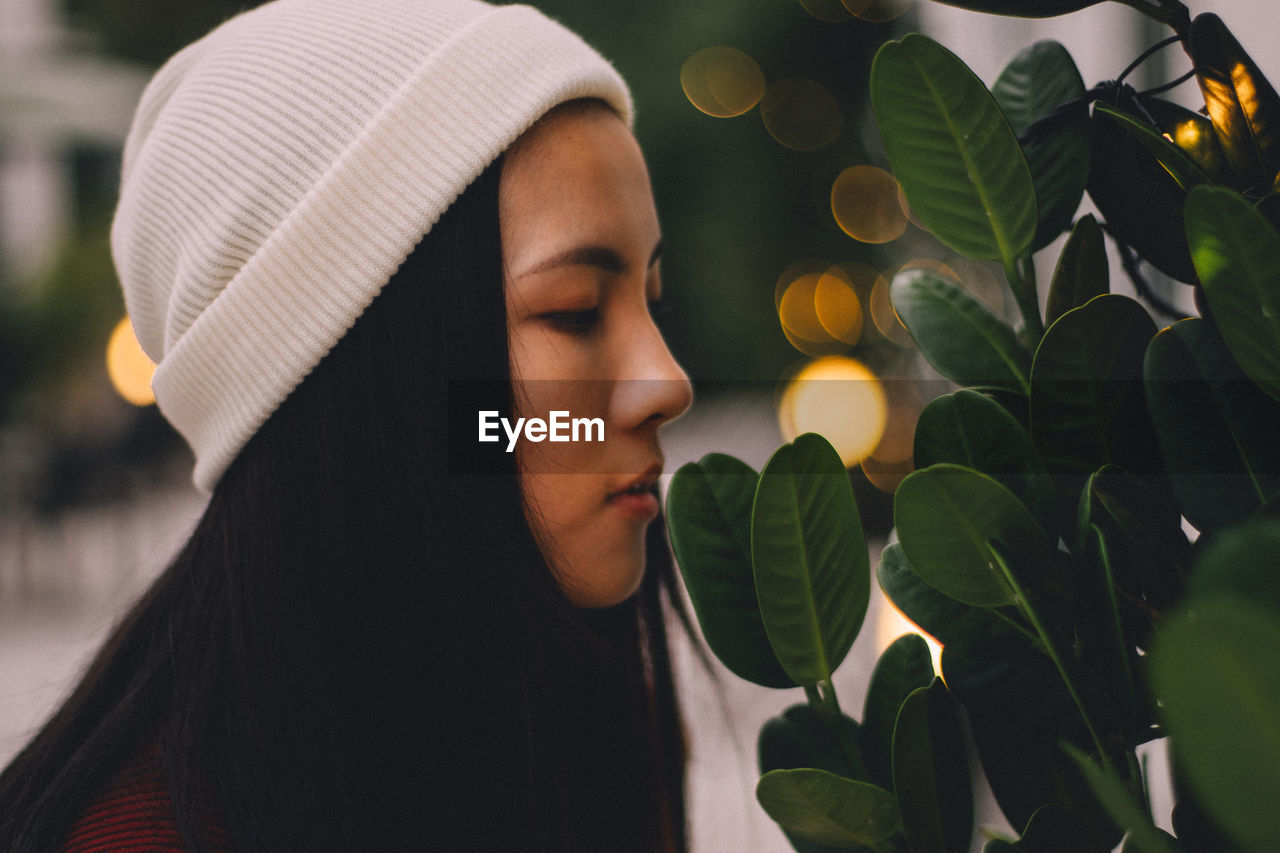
column 1143, row 532
column 1024, row 8
column 1027, row 772
column 1216, row 429
column 1082, row 272
column 956, row 626
column 1237, row 253
column 1185, row 170
column 1119, row 803
column 931, row 772
column 1036, row 84
column 1239, row 99
column 953, row 151
column 1194, row 135
column 822, row 807
column 903, row 667
column 948, row 517
column 1087, row 406
column 1216, row 675
column 813, row 575
column 957, row 334
column 1242, row 562
column 1054, row 829
column 1138, row 198
column 803, row 737
column 709, row 519
column 971, row 429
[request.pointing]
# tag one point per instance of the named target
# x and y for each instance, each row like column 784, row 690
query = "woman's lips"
column 639, row 497
column 643, row 505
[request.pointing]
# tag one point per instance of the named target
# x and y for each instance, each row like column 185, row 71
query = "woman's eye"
column 573, row 322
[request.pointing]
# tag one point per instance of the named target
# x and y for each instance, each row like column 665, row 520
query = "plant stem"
column 1054, row 654
column 815, row 698
column 829, row 697
column 1024, row 293
column 1104, row 556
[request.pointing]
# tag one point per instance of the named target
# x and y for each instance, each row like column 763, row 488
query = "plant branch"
column 1023, row 286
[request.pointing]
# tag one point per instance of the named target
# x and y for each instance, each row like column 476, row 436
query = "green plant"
column 1041, row 537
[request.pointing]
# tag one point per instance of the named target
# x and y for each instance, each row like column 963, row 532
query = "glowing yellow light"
column 801, row 114
column 877, row 11
column 840, row 399
column 722, row 81
column 798, row 311
column 832, row 11
column 804, row 266
column 864, row 201
column 837, row 306
column 128, row 366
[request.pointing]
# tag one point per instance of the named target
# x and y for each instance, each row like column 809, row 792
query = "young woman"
column 386, row 634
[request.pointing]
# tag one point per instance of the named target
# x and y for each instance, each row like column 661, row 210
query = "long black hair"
column 361, row 646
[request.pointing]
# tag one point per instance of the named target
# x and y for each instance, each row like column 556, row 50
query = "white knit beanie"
column 280, row 170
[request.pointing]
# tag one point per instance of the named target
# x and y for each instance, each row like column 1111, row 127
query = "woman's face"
column 581, row 243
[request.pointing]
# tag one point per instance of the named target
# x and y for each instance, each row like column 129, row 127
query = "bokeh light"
column 885, row 318
column 832, row 11
column 722, row 81
column 893, row 458
column 798, row 311
column 839, row 398
column 804, row 266
column 801, row 114
column 128, row 366
column 836, row 303
column 877, row 11
column 864, row 202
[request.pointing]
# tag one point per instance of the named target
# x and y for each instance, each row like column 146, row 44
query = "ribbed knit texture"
column 281, row 169
column 134, row 814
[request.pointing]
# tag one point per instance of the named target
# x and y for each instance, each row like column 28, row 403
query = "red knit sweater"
column 134, row 814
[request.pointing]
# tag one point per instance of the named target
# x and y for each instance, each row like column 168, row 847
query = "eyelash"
column 574, row 322
column 581, row 323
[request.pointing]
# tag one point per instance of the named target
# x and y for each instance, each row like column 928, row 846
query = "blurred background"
column 782, row 231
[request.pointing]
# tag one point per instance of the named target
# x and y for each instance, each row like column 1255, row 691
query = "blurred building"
column 55, row 94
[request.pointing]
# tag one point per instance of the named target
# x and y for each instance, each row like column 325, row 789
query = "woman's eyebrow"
column 601, row 257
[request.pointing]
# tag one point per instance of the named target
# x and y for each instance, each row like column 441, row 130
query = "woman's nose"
column 653, row 387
